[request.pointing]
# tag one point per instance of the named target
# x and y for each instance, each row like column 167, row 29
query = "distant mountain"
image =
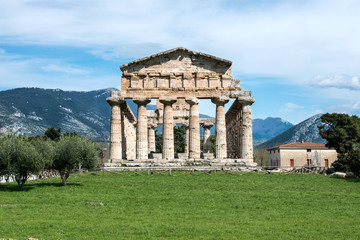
column 32, row 110
column 306, row 130
column 265, row 129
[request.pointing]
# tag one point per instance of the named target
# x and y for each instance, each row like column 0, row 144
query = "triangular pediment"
column 178, row 60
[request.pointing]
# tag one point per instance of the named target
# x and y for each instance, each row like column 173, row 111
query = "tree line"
column 22, row 156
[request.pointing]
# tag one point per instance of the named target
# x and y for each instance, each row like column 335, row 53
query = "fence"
column 196, row 171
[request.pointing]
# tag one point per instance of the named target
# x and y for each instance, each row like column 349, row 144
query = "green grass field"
column 250, row 206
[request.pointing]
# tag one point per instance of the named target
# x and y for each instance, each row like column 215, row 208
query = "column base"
column 184, row 163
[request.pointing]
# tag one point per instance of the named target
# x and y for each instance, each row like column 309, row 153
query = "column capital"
column 115, row 100
column 168, row 100
column 142, row 100
column 246, row 100
column 185, row 125
column 152, row 125
column 207, row 125
column 192, row 100
column 220, row 100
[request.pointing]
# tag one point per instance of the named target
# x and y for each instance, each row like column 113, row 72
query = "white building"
column 301, row 154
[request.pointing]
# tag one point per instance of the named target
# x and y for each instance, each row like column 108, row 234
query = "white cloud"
column 339, row 81
column 281, row 38
column 349, row 108
column 24, row 71
column 290, row 107
column 64, row 69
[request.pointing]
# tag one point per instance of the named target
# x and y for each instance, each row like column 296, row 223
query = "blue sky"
column 298, row 57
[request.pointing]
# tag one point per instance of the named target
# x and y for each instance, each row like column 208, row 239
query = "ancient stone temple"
column 178, row 79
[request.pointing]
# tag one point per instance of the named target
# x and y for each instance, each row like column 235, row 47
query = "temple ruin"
column 178, row 79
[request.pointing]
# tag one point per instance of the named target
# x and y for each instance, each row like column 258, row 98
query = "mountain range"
column 31, row 111
column 306, row 131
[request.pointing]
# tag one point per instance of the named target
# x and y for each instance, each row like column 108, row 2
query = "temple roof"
column 174, row 50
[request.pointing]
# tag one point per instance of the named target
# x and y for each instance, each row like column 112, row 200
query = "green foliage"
column 46, row 148
column 179, row 139
column 212, row 142
column 72, row 151
column 19, row 158
column 158, row 141
column 261, row 157
column 249, row 206
column 53, row 134
column 342, row 133
column 349, row 162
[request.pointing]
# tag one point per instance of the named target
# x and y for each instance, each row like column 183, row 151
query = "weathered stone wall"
column 178, row 69
column 239, row 129
column 129, row 139
column 233, row 133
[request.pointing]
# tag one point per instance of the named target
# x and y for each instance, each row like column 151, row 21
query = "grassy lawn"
column 249, row 206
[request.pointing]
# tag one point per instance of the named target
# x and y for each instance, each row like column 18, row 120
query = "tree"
column 342, row 132
column 46, row 148
column 261, row 157
column 179, row 139
column 158, row 141
column 19, row 158
column 53, row 134
column 71, row 151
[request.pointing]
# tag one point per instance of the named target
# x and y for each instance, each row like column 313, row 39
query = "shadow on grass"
column 355, row 180
column 11, row 187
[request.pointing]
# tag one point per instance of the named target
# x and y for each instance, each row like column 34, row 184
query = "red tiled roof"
column 299, row 145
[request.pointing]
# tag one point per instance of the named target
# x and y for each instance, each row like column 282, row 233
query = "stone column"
column 194, row 128
column 246, row 136
column 187, row 132
column 206, row 140
column 141, row 129
column 115, row 130
column 151, row 137
column 220, row 127
column 168, row 128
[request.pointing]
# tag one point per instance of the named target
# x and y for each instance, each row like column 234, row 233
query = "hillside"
column 306, row 130
column 31, row 111
column 264, row 129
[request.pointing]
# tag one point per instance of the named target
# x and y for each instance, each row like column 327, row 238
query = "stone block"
column 163, row 83
column 188, row 83
column 136, row 83
column 226, row 83
column 202, row 83
column 176, row 82
column 149, row 83
column 214, row 83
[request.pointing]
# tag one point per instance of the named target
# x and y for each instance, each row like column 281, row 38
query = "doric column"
column 206, row 140
column 220, row 127
column 168, row 128
column 141, row 129
column 187, row 132
column 194, row 128
column 246, row 136
column 115, row 130
column 151, row 137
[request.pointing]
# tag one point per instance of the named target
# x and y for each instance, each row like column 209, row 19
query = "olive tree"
column 72, row 150
column 19, row 158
